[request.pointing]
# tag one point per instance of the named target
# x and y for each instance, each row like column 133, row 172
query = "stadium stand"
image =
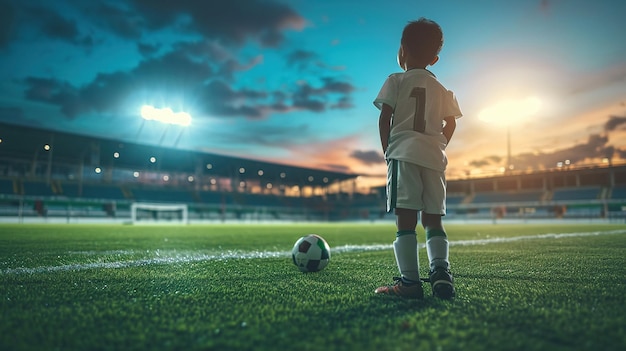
column 569, row 194
column 70, row 189
column 36, row 188
column 508, row 197
column 6, row 186
column 619, row 192
column 214, row 197
column 217, row 188
column 455, row 199
column 101, row 192
column 156, row 194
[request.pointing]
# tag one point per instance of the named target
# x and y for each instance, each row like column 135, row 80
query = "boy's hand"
column 448, row 129
column 384, row 125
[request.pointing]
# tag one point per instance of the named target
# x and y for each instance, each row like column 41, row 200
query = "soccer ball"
column 311, row 253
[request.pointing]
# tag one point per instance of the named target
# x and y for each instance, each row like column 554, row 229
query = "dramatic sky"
column 292, row 81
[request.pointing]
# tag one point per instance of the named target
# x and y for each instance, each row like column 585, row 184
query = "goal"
column 152, row 213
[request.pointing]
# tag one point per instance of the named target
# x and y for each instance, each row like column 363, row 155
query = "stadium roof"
column 26, row 143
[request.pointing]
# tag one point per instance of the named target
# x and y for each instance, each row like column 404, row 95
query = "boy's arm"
column 448, row 129
column 384, row 125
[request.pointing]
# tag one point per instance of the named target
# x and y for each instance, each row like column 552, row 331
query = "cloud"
column 109, row 92
column 597, row 80
column 234, row 22
column 595, row 148
column 263, row 135
column 479, row 163
column 314, row 99
column 30, row 20
column 231, row 66
column 370, row 157
column 262, row 19
column 489, row 160
column 302, row 59
column 216, row 74
column 121, row 20
column 204, row 61
column 147, row 50
column 49, row 23
column 614, row 122
column 55, row 92
column 222, row 100
column 313, row 150
column 181, row 72
column 332, row 85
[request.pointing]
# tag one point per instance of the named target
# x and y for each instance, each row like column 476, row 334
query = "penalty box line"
column 178, row 258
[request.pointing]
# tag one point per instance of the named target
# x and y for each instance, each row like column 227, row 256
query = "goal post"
column 154, row 213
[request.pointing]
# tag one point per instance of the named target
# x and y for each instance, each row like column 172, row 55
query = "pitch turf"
column 233, row 287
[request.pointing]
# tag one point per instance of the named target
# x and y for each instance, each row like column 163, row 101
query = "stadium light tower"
column 509, row 112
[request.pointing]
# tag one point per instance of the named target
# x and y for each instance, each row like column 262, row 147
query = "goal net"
column 151, row 213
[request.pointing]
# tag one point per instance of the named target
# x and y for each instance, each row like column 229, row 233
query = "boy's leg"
column 434, row 209
column 405, row 246
column 405, row 250
column 437, row 245
column 404, row 192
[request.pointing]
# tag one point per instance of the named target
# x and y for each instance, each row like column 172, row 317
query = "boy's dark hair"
column 423, row 40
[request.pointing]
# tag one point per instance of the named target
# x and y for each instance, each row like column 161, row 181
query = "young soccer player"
column 417, row 119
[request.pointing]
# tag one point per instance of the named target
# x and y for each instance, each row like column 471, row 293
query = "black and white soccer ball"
column 311, row 253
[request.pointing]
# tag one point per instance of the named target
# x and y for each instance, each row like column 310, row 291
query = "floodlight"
column 165, row 115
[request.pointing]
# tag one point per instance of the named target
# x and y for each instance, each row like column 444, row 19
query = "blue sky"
column 293, row 81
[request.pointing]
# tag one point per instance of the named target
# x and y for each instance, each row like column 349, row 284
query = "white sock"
column 405, row 249
column 437, row 249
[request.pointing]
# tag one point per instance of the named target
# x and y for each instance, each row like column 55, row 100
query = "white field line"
column 175, row 257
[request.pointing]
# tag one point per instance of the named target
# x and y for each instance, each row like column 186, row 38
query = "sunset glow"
column 510, row 111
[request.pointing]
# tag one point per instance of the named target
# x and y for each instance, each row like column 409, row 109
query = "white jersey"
column 420, row 103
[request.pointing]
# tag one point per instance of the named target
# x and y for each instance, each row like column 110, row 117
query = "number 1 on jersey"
column 419, row 121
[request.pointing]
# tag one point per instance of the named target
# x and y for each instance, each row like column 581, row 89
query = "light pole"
column 509, row 166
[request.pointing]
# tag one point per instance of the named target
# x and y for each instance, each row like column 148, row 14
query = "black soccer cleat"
column 442, row 283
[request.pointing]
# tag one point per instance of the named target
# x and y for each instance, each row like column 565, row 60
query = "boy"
column 417, row 120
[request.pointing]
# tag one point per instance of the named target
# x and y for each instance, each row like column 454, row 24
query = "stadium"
column 44, row 179
column 208, row 175
column 207, row 215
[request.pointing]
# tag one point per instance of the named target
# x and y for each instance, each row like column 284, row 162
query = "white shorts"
column 415, row 187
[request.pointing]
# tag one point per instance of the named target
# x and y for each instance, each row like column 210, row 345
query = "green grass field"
column 234, row 287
